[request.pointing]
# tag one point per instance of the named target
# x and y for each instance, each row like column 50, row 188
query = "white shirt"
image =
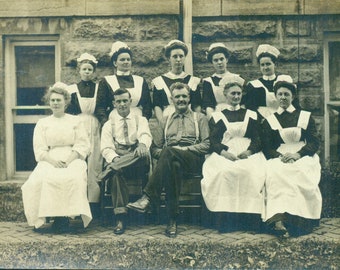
column 141, row 134
column 290, row 109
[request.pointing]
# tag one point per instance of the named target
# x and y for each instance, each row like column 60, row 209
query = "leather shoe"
column 171, row 229
column 280, row 229
column 120, row 228
column 142, row 205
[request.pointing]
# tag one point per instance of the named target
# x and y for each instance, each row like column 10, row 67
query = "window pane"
column 24, row 155
column 35, row 71
column 334, row 70
column 334, row 119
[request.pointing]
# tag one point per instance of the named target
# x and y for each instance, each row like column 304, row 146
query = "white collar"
column 290, row 109
column 269, row 78
column 122, row 73
column 173, row 76
column 232, row 108
column 220, row 75
column 121, row 117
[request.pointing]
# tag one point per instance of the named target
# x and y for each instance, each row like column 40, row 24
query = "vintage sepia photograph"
column 170, row 134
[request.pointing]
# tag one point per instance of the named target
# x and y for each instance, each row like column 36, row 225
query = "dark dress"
column 139, row 90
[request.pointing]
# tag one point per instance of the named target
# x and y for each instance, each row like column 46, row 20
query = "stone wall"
column 299, row 38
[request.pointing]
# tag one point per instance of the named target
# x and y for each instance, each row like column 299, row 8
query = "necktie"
column 180, row 127
column 126, row 132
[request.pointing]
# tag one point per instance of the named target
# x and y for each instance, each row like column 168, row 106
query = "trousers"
column 117, row 171
column 169, row 173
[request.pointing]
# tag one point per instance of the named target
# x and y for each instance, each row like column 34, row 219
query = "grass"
column 165, row 254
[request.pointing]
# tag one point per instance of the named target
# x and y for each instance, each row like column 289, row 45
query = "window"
column 32, row 64
column 332, row 97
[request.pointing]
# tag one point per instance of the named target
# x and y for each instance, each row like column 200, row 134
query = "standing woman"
column 175, row 51
column 121, row 58
column 57, row 186
column 260, row 95
column 83, row 103
column 233, row 180
column 293, row 168
column 213, row 97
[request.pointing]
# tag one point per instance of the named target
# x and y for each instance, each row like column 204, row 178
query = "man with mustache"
column 125, row 143
column 185, row 142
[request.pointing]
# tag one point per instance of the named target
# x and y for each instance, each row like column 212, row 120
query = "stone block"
column 131, row 7
column 321, row 7
column 114, row 29
column 158, row 28
column 255, row 7
column 206, row 8
column 41, row 8
column 311, row 77
column 301, row 53
column 294, row 28
column 311, row 102
column 212, row 30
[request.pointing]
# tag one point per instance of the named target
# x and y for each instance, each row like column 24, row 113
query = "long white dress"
column 50, row 191
column 234, row 186
column 293, row 187
column 92, row 126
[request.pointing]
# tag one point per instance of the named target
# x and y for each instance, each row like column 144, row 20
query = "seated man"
column 125, row 142
column 185, row 142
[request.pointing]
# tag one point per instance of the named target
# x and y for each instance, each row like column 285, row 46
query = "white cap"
column 60, row 85
column 118, row 45
column 173, row 44
column 87, row 56
column 216, row 45
column 231, row 78
column 266, row 48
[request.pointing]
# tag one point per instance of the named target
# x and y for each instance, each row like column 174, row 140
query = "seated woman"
column 234, row 174
column 57, row 187
column 293, row 169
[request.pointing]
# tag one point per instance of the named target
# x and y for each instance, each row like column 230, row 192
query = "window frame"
column 10, row 93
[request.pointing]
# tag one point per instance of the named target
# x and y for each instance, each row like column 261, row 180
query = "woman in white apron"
column 293, row 198
column 57, row 186
column 121, row 58
column 83, row 103
column 213, row 98
column 234, row 175
column 260, row 95
column 175, row 51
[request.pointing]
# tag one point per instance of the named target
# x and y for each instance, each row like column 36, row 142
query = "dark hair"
column 173, row 46
column 121, row 91
column 179, row 86
column 114, row 56
column 265, row 54
column 86, row 61
column 216, row 50
column 287, row 85
column 57, row 89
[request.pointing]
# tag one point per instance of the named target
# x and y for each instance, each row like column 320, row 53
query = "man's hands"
column 141, row 150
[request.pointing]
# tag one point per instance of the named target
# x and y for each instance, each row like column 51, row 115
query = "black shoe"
column 171, row 229
column 142, row 205
column 61, row 225
column 120, row 227
column 280, row 229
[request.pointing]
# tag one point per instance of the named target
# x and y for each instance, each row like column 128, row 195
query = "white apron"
column 271, row 102
column 160, row 84
column 234, row 186
column 136, row 92
column 293, row 187
column 219, row 96
column 94, row 159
